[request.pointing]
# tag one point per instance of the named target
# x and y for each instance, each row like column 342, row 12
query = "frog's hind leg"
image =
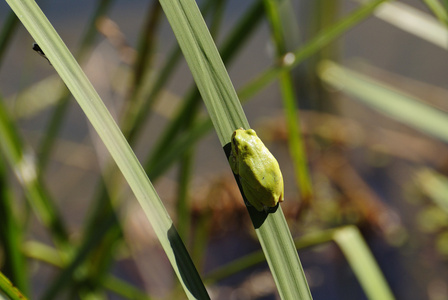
column 252, row 197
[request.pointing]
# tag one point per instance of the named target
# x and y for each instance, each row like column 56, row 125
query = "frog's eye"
column 251, row 132
column 235, row 143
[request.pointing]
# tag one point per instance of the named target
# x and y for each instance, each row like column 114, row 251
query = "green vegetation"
column 81, row 232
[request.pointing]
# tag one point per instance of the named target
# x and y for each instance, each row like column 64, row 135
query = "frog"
column 258, row 170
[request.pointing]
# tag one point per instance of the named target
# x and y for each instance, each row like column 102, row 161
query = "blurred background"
column 373, row 117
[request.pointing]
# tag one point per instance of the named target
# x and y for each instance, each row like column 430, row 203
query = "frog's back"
column 264, row 177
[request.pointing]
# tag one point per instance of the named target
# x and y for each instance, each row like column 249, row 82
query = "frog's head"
column 243, row 140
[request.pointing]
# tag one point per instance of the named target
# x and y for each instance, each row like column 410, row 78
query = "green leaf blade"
column 227, row 115
column 64, row 63
column 387, row 100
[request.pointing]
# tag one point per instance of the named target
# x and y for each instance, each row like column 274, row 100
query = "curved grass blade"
column 363, row 264
column 132, row 119
column 438, row 10
column 227, row 115
column 206, row 66
column 387, row 100
column 187, row 161
column 414, row 21
column 9, row 289
column 44, row 34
